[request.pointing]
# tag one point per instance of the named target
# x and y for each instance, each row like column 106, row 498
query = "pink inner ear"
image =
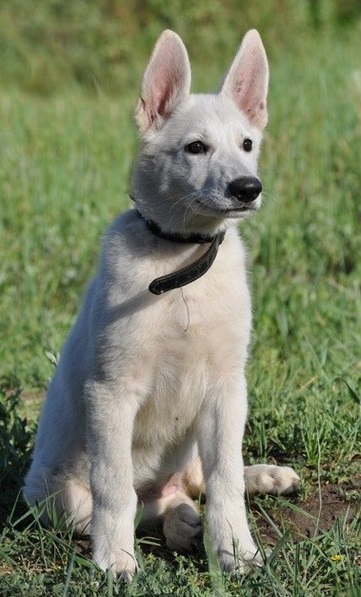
column 249, row 86
column 161, row 95
column 238, row 87
column 157, row 97
column 165, row 81
column 248, row 96
column 247, row 79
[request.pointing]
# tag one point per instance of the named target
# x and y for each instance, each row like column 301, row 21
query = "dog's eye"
column 196, row 147
column 247, row 145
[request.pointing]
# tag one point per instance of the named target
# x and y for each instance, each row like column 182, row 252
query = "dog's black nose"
column 245, row 188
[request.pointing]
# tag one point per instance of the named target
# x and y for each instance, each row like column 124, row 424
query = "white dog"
column 148, row 404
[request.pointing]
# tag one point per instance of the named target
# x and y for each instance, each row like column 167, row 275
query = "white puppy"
column 148, row 403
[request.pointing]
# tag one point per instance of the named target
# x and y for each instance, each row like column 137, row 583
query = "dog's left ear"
column 166, row 82
column 247, row 80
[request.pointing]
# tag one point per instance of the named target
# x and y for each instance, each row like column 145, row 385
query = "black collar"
column 192, row 272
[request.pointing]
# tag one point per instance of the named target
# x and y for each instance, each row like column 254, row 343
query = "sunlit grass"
column 64, row 168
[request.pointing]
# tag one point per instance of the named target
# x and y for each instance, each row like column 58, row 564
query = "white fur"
column 148, row 384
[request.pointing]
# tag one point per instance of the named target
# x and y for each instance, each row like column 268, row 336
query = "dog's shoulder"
column 125, row 251
column 124, row 235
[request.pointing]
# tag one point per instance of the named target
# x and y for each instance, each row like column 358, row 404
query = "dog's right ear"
column 166, row 81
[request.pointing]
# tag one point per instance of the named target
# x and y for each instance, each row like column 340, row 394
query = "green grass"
column 65, row 161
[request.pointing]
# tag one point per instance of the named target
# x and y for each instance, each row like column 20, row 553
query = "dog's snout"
column 245, row 188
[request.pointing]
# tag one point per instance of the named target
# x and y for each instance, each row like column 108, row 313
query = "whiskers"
column 268, row 198
column 187, row 212
column 179, row 209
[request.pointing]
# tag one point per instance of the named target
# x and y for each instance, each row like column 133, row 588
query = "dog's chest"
column 189, row 317
column 183, row 343
column 197, row 331
column 181, row 352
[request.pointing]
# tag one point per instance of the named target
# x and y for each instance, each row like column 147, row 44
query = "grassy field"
column 66, row 153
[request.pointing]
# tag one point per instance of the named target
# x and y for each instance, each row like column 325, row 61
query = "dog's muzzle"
column 245, row 188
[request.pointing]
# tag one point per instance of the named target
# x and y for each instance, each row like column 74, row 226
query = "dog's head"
column 198, row 159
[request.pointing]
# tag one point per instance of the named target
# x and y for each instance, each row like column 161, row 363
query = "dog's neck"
column 178, row 237
column 191, row 272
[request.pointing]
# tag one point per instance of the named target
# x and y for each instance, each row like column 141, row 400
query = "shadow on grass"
column 16, row 435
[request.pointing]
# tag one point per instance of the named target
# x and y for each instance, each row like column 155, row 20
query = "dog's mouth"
column 234, row 211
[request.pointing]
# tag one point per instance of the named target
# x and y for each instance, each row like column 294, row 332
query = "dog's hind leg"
column 259, row 479
column 60, row 499
column 180, row 518
column 270, row 479
column 76, row 502
column 182, row 524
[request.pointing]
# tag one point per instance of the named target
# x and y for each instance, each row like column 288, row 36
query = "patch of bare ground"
column 316, row 512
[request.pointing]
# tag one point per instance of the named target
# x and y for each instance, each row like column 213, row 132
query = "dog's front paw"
column 237, row 560
column 181, row 528
column 270, row 479
column 120, row 562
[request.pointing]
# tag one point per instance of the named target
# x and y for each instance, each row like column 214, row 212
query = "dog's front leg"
column 111, row 413
column 221, row 427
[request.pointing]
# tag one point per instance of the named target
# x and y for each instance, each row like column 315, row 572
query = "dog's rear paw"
column 270, row 479
column 181, row 528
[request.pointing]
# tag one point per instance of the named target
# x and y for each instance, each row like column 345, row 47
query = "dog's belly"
column 164, row 430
